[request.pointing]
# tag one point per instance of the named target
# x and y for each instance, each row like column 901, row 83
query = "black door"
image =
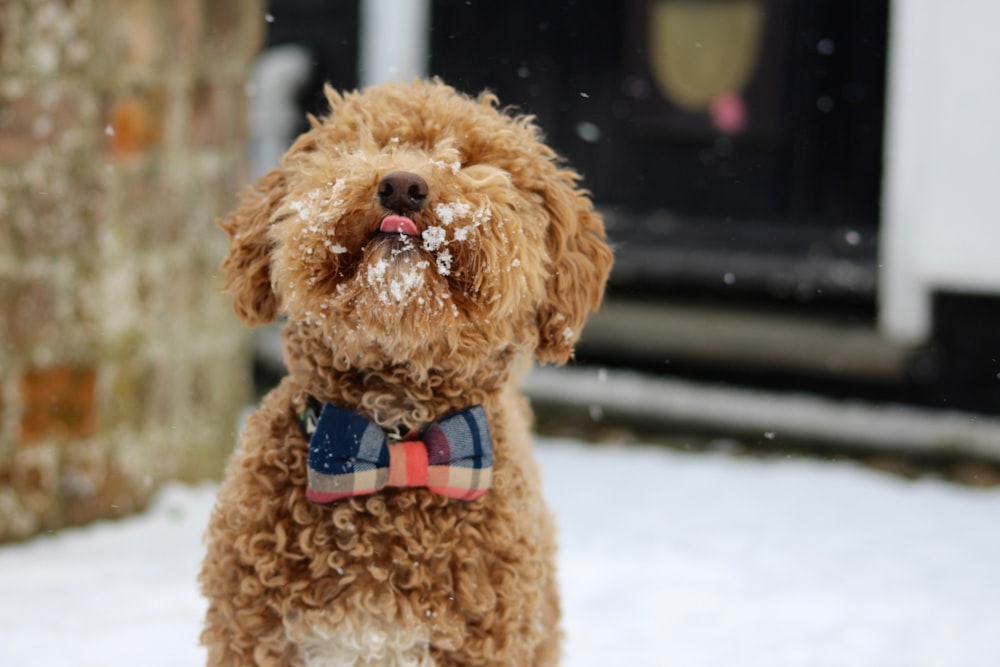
column 731, row 143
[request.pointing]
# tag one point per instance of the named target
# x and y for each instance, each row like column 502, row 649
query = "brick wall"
column 122, row 137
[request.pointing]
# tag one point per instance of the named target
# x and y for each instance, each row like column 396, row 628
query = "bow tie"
column 350, row 455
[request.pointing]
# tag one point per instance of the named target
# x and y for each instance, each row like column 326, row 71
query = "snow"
column 666, row 558
column 453, row 166
column 448, row 212
column 318, row 203
column 406, row 280
column 444, row 262
column 434, row 238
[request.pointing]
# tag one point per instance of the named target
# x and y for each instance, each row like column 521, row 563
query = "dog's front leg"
column 241, row 629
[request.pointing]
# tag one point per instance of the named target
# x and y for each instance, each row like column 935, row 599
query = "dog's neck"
column 396, row 394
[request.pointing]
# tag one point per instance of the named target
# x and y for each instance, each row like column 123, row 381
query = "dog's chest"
column 360, row 639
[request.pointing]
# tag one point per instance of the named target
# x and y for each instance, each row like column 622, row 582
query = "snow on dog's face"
column 350, row 249
column 413, row 213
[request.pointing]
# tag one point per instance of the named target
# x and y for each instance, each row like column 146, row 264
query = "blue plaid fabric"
column 349, row 455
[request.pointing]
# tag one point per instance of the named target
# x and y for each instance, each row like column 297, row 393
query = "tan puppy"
column 424, row 247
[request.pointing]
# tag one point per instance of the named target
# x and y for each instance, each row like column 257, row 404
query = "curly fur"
column 511, row 259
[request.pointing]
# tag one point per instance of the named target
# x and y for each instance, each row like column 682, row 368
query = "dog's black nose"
column 402, row 191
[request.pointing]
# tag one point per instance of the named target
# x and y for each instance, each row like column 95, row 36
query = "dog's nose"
column 402, row 191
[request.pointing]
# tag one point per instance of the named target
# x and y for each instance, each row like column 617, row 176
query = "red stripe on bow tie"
column 408, row 463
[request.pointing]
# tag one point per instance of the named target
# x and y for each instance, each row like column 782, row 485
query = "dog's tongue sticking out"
column 398, row 224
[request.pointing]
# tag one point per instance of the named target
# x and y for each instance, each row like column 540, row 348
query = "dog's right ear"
column 247, row 267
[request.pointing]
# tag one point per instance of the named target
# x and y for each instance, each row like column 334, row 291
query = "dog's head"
column 414, row 214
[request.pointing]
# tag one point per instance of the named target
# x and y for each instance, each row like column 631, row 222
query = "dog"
column 422, row 247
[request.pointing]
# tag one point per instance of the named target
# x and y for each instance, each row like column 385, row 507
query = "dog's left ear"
column 580, row 260
column 247, row 267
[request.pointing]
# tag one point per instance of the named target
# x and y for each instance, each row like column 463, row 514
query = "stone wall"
column 122, row 138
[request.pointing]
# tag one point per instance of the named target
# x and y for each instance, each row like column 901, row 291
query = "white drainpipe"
column 395, row 40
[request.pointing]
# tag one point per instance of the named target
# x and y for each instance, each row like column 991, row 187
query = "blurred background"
column 799, row 194
column 742, row 152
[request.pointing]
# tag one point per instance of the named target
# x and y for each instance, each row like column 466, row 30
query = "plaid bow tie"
column 350, row 455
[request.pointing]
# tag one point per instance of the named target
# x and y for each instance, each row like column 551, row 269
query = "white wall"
column 941, row 202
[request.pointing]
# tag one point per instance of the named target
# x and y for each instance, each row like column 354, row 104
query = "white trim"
column 941, row 217
column 756, row 413
column 395, row 40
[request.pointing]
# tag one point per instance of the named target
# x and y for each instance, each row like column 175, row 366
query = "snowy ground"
column 667, row 559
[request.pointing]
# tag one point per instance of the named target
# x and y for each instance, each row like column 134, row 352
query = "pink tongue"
column 398, row 224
